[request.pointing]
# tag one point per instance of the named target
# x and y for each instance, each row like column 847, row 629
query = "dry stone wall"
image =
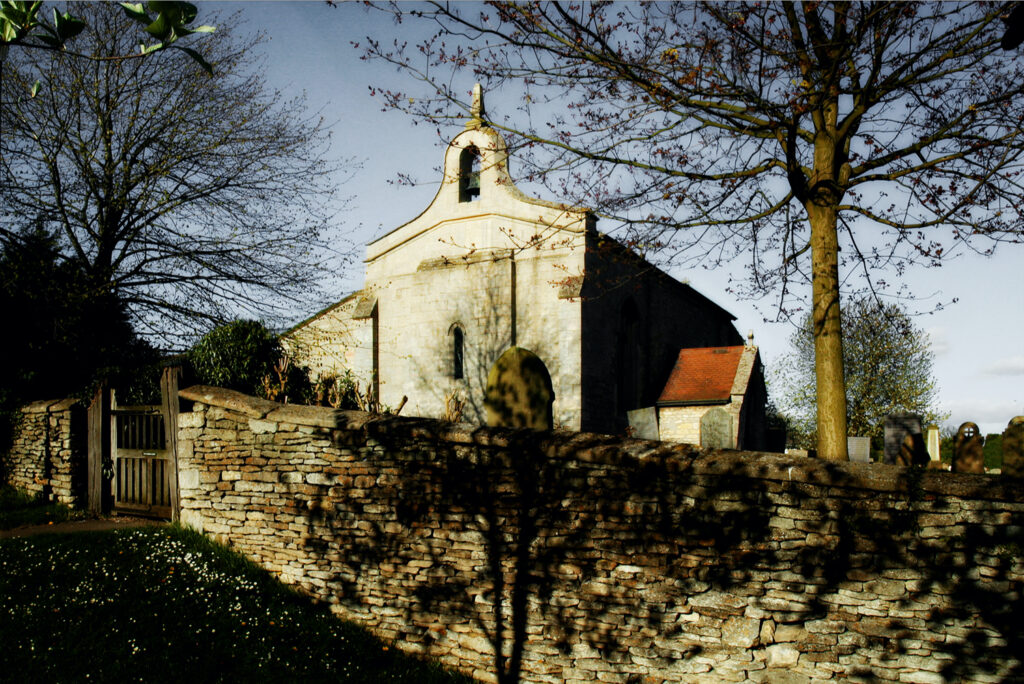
column 554, row 557
column 49, row 451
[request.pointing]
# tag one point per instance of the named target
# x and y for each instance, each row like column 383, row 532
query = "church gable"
column 478, row 211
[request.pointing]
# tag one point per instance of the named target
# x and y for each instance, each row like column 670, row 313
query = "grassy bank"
column 168, row 605
column 20, row 508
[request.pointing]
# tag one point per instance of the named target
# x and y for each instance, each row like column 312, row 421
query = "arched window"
column 469, row 175
column 458, row 353
column 627, row 375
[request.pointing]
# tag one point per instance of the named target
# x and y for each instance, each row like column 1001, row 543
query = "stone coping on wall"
column 48, row 405
column 590, row 447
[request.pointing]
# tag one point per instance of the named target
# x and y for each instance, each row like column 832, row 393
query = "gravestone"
column 934, row 443
column 519, row 392
column 716, row 430
column 904, row 444
column 968, row 445
column 859, row 449
column 1013, row 448
column 643, row 423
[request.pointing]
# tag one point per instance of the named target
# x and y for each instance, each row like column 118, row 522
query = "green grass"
column 167, row 605
column 20, row 508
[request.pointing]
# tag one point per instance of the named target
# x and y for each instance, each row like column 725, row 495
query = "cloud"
column 991, row 415
column 1010, row 365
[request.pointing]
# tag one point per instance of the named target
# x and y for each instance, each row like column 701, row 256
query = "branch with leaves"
column 22, row 26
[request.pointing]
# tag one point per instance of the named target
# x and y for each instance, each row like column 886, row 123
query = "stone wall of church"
column 584, row 558
column 48, row 454
column 332, row 342
column 671, row 316
column 419, row 310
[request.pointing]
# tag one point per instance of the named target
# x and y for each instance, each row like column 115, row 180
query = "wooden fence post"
column 170, row 405
column 98, row 447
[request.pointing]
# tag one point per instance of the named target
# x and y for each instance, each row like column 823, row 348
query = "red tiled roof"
column 705, row 374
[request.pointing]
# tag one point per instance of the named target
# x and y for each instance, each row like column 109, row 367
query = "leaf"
column 159, row 28
column 16, row 15
column 7, row 31
column 198, row 58
column 178, row 13
column 34, row 90
column 135, row 11
column 67, row 26
column 52, row 41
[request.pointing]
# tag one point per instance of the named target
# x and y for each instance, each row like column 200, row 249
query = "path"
column 87, row 525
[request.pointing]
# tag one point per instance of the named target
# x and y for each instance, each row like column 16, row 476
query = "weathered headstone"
column 859, row 449
column 643, row 422
column 716, row 430
column 933, row 443
column 968, row 445
column 904, row 444
column 519, row 392
column 1013, row 448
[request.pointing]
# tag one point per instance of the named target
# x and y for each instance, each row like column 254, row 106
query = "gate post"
column 169, row 406
column 98, row 447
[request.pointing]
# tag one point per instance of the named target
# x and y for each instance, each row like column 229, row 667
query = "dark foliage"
column 244, row 356
column 65, row 334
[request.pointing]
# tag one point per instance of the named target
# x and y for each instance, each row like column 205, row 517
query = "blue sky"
column 978, row 341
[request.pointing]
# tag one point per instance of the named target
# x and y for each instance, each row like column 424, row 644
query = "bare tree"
column 805, row 137
column 194, row 198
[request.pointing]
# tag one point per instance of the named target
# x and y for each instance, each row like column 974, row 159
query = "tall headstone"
column 859, row 449
column 933, row 443
column 716, row 430
column 643, row 423
column 1013, row 448
column 968, row 446
column 519, row 392
column 904, row 443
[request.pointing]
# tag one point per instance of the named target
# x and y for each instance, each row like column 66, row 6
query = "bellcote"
column 476, row 162
column 475, row 187
column 477, row 116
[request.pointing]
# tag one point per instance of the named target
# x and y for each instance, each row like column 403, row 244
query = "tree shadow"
column 632, row 556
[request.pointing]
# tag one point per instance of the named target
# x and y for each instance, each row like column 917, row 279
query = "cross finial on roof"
column 476, row 110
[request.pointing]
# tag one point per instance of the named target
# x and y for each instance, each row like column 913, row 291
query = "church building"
column 485, row 268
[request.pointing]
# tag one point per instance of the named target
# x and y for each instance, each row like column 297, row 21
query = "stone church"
column 484, row 268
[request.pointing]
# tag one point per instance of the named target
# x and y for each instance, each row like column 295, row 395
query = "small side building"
column 715, row 397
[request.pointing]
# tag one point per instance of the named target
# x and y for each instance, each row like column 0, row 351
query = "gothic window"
column 469, row 175
column 627, row 375
column 458, row 353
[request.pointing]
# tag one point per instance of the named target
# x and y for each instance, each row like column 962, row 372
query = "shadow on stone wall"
column 660, row 554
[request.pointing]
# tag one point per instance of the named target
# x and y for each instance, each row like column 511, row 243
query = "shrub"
column 237, row 355
column 244, row 356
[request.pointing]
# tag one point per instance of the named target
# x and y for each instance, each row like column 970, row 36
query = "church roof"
column 703, row 376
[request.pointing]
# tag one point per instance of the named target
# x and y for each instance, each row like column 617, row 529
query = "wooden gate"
column 143, row 469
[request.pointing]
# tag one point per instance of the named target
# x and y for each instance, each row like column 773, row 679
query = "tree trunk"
column 828, row 341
